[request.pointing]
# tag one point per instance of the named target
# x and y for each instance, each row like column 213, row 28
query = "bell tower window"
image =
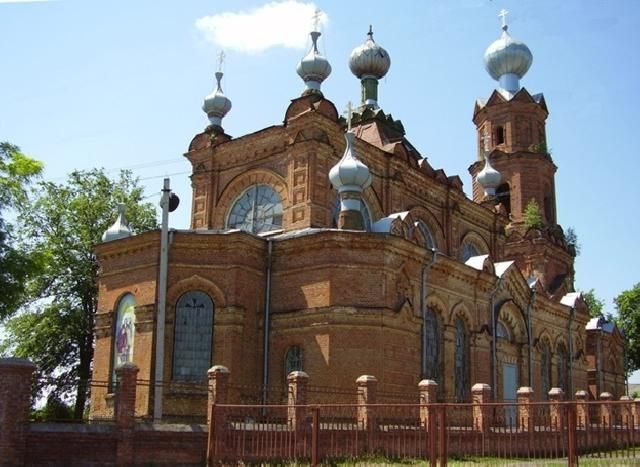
column 499, row 135
column 503, row 193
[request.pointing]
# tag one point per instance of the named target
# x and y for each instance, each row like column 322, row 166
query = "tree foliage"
column 17, row 172
column 60, row 228
column 571, row 237
column 595, row 304
column 628, row 306
column 532, row 215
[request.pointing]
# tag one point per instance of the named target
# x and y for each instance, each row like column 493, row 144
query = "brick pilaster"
column 126, row 375
column 556, row 409
column 525, row 409
column 481, row 394
column 428, row 395
column 367, row 392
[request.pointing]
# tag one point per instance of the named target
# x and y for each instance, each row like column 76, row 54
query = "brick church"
column 331, row 245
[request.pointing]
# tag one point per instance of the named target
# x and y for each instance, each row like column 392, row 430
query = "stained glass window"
column 293, row 360
column 432, row 346
column 502, row 331
column 258, row 209
column 124, row 332
column 192, row 340
column 461, row 362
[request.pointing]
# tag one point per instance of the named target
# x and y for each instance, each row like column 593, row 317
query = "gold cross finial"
column 349, row 111
column 503, row 16
column 220, row 60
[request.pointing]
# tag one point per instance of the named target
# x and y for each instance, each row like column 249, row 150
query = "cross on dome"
column 503, row 16
column 221, row 57
column 349, row 111
column 316, row 19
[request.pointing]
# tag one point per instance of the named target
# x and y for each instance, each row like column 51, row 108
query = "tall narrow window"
column 192, row 340
column 503, row 193
column 563, row 381
column 432, row 351
column 545, row 371
column 500, row 135
column 468, row 251
column 293, row 360
column 461, row 362
column 124, row 332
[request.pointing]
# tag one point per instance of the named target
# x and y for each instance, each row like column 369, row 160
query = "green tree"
column 628, row 306
column 17, row 172
column 595, row 304
column 533, row 216
column 571, row 237
column 60, row 229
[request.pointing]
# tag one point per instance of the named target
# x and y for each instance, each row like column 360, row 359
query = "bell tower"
column 512, row 141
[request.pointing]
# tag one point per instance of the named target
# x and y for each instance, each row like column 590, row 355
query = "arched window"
column 468, row 250
column 499, row 136
column 258, row 209
column 123, row 332
column 364, row 210
column 293, row 360
column 432, row 350
column 426, row 233
column 503, row 193
column 563, row 380
column 461, row 360
column 192, row 339
column 545, row 371
column 502, row 332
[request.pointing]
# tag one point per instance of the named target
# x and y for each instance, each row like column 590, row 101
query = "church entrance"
column 509, row 391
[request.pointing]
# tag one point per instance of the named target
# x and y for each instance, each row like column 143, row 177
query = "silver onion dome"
column 119, row 229
column 216, row 105
column 507, row 61
column 350, row 174
column 489, row 178
column 369, row 59
column 314, row 68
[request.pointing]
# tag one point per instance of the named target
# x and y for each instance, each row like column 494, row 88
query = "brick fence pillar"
column 635, row 412
column 428, row 395
column 525, row 410
column 15, row 403
column 297, row 400
column 556, row 409
column 582, row 410
column 126, row 375
column 218, row 387
column 367, row 392
column 482, row 414
column 606, row 415
column 625, row 412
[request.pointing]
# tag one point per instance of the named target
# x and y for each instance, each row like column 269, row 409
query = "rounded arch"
column 195, row 282
column 512, row 316
column 123, row 341
column 472, row 244
column 370, row 201
column 243, row 181
column 420, row 214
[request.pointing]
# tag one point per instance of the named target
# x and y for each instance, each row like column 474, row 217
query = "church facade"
column 330, row 245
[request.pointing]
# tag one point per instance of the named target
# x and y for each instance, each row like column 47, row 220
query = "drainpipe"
column 423, row 307
column 267, row 323
column 162, row 303
column 494, row 350
column 572, row 317
column 599, row 362
column 529, row 338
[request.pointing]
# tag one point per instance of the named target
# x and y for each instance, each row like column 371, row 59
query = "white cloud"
column 276, row 24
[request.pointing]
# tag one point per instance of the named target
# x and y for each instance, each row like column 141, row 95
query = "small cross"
column 220, row 60
column 316, row 19
column 370, row 33
column 503, row 16
column 349, row 111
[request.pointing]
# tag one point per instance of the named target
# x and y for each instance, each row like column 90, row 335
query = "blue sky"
column 120, row 84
